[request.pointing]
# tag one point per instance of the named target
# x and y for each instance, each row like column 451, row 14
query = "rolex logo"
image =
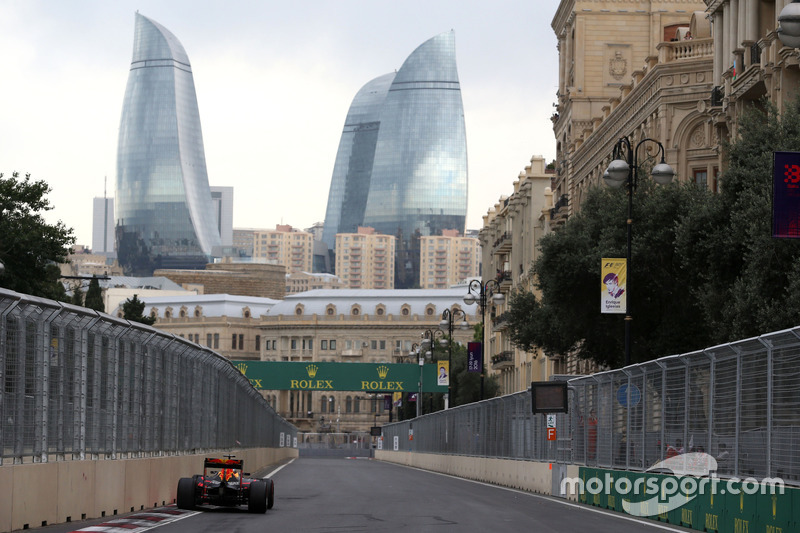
column 312, row 370
column 383, row 371
column 242, row 368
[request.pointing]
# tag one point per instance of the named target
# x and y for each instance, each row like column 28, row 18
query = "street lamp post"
column 446, row 324
column 626, row 171
column 789, row 25
column 426, row 350
column 482, row 290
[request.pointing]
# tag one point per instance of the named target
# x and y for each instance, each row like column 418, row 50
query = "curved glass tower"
column 352, row 170
column 418, row 176
column 164, row 214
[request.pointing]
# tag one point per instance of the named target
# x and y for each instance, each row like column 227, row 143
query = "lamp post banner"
column 475, row 357
column 786, row 195
column 613, row 291
column 365, row 377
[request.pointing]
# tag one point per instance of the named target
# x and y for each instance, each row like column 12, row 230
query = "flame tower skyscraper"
column 402, row 161
column 164, row 213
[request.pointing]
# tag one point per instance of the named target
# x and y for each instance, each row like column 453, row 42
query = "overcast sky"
column 274, row 82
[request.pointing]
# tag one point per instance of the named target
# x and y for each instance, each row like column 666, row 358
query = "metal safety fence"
column 79, row 384
column 738, row 402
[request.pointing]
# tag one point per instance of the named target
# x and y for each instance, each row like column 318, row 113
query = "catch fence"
column 79, row 384
column 737, row 402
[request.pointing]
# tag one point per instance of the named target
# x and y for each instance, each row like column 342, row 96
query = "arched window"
column 348, row 405
column 357, row 405
column 331, row 404
column 323, row 404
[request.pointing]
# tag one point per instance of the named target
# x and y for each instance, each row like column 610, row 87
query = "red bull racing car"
column 223, row 483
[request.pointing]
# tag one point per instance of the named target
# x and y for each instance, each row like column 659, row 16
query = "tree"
column 705, row 269
column 30, row 248
column 566, row 318
column 77, row 296
column 747, row 281
column 133, row 309
column 94, row 296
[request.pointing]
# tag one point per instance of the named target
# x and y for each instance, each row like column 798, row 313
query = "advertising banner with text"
column 365, row 377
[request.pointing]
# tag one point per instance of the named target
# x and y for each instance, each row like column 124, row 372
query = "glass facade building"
column 402, row 161
column 164, row 212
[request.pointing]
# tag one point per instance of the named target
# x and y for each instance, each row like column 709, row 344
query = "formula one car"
column 223, row 483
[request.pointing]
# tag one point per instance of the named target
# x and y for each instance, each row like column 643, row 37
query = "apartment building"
column 365, row 260
column 448, row 259
column 286, row 246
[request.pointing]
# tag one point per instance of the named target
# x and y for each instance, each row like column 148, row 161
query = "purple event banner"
column 786, row 195
column 474, row 357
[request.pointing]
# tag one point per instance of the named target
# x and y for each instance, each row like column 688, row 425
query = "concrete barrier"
column 531, row 476
column 41, row 494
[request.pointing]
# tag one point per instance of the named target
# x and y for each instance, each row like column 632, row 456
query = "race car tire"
column 258, row 497
column 270, row 493
column 185, row 499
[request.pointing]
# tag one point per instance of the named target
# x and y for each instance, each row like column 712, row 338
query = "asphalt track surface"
column 358, row 495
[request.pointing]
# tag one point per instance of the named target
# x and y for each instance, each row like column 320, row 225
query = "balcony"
column 503, row 360
column 502, row 244
column 500, row 322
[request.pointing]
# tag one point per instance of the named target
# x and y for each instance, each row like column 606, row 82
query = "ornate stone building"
column 510, row 243
column 631, row 68
column 363, row 326
column 750, row 62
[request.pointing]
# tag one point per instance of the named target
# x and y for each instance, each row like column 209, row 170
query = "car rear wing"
column 237, row 464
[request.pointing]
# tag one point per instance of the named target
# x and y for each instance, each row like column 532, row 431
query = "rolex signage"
column 366, row 377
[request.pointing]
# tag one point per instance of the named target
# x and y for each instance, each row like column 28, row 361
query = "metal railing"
column 81, row 384
column 738, row 402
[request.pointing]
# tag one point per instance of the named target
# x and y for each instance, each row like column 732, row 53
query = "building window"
column 274, row 345
column 374, row 345
column 357, row 405
column 258, row 343
column 323, row 345
column 209, row 342
column 216, row 341
column 348, row 405
column 323, row 404
column 294, row 344
column 233, row 341
column 333, row 344
column 701, row 178
column 383, row 345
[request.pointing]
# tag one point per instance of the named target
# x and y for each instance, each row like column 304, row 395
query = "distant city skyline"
column 273, row 84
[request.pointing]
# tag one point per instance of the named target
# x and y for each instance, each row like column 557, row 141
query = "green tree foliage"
column 567, row 317
column 705, row 269
column 747, row 281
column 29, row 247
column 77, row 296
column 94, row 296
column 133, row 310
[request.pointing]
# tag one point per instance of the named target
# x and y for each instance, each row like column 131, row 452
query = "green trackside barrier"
column 688, row 514
column 709, row 509
column 774, row 512
column 630, row 498
column 740, row 509
column 585, row 473
column 716, row 506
